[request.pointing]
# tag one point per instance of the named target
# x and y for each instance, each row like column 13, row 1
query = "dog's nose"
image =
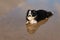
column 29, row 15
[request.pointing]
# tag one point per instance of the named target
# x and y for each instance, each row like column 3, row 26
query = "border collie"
column 34, row 16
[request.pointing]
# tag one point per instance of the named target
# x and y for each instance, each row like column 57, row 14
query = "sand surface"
column 12, row 20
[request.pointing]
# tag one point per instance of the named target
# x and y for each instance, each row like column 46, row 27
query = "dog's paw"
column 27, row 22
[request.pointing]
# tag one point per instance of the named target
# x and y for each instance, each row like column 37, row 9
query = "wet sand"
column 12, row 20
column 32, row 28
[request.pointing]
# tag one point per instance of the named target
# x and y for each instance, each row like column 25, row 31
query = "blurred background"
column 12, row 20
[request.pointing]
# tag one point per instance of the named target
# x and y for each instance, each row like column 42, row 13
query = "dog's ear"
column 28, row 11
column 34, row 11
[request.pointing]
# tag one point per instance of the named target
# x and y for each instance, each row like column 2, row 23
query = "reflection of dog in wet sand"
column 34, row 16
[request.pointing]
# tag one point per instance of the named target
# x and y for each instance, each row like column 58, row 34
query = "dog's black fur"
column 40, row 14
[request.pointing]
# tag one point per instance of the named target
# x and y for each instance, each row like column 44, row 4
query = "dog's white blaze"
column 29, row 12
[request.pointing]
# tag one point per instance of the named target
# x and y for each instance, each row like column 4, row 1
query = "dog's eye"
column 34, row 14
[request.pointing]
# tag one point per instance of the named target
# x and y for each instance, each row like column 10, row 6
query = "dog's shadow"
column 31, row 28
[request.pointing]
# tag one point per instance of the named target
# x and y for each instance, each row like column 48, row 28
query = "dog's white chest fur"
column 33, row 22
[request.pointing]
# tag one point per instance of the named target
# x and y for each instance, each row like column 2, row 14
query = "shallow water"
column 12, row 20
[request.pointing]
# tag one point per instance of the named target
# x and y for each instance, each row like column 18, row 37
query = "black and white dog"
column 34, row 16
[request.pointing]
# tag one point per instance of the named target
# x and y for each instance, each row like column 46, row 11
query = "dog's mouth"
column 30, row 18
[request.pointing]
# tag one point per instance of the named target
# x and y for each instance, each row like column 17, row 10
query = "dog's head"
column 31, row 14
